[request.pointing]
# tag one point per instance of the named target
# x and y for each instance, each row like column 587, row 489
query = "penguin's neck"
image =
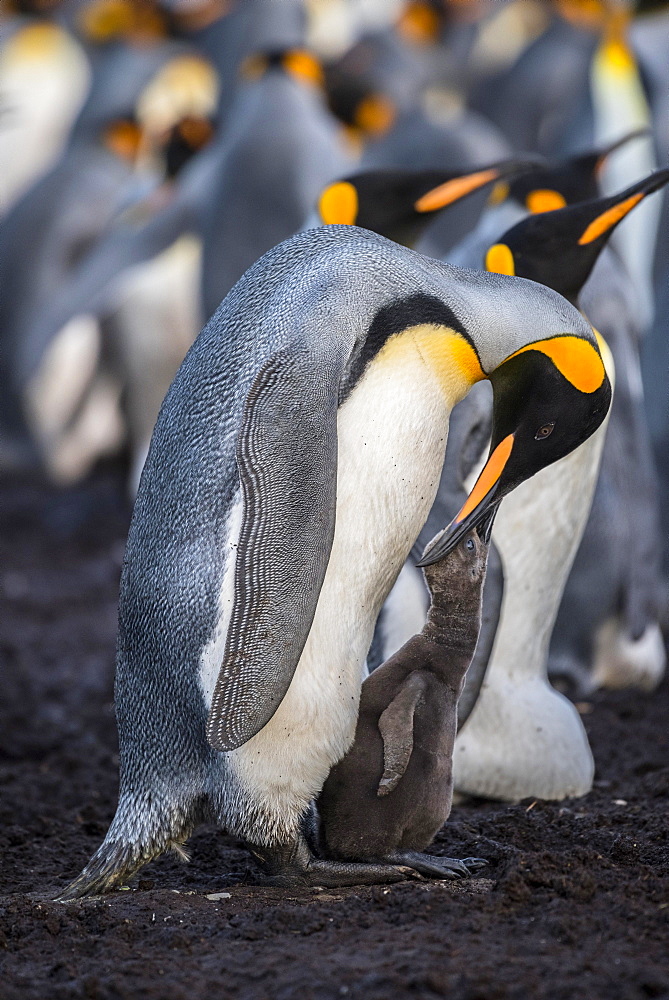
column 452, row 626
column 445, row 357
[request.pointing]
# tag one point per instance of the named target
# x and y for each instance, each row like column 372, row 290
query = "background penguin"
column 552, row 758
column 649, row 37
column 379, row 90
column 613, row 594
column 44, row 78
column 51, row 229
column 356, row 349
column 283, row 146
column 393, row 791
column 526, row 739
column 544, row 189
column 47, row 240
column 400, row 204
column 141, row 282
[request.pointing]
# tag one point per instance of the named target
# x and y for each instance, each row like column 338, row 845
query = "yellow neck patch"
column 34, row 43
column 448, row 356
column 338, row 205
column 499, row 260
column 445, row 194
column 608, row 219
column 574, row 358
column 544, row 200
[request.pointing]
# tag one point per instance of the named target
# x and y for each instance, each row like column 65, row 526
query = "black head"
column 559, row 249
column 399, row 204
column 549, row 397
column 548, row 188
column 184, row 140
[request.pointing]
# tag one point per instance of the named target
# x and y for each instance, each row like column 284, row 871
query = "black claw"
column 432, row 866
column 473, row 864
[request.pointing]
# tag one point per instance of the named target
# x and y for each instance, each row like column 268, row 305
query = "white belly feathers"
column 392, row 437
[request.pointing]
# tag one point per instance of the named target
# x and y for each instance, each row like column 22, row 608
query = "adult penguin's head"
column 556, row 185
column 399, row 204
column 560, row 248
column 549, row 396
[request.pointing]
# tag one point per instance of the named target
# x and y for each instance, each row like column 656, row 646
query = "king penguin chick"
column 393, row 791
column 294, row 461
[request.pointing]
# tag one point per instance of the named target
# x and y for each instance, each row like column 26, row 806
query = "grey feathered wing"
column 287, row 460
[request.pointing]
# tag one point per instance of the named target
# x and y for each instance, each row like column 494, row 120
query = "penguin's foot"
column 293, row 864
column 436, row 867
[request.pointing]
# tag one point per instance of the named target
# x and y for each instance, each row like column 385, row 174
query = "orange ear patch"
column 453, row 190
column 338, row 205
column 608, row 219
column 304, row 66
column 492, row 470
column 375, row 114
column 544, row 200
column 575, row 358
column 499, row 260
column 123, row 138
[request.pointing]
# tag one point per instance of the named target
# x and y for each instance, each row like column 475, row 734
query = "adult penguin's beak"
column 459, row 187
column 480, row 507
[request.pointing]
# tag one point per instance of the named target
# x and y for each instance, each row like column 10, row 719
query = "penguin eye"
column 470, row 544
column 544, row 431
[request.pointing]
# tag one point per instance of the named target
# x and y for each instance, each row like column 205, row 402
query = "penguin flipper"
column 287, row 461
column 396, row 728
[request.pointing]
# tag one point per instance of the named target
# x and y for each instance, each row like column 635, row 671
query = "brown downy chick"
column 393, row 790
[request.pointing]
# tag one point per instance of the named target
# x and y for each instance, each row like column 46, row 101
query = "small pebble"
column 215, row 896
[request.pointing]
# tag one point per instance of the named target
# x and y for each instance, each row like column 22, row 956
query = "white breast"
column 392, row 436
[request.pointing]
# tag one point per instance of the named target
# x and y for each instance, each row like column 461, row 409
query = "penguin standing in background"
column 527, row 739
column 282, row 147
column 378, row 90
column 48, row 239
column 55, row 224
column 257, row 562
column 534, row 101
column 44, row 77
column 607, row 630
column 649, row 37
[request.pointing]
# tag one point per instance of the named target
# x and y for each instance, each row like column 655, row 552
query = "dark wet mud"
column 575, row 903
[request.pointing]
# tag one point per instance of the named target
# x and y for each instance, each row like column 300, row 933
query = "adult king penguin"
column 295, row 459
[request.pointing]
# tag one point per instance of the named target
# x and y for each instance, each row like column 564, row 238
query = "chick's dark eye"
column 545, row 431
column 470, row 544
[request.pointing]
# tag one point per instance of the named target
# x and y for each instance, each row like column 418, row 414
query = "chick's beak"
column 479, row 508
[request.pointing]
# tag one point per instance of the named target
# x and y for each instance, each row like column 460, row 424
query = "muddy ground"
column 575, row 903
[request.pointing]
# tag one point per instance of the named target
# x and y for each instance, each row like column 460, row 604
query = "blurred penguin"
column 607, row 631
column 44, row 78
column 103, row 182
column 649, row 38
column 282, row 146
